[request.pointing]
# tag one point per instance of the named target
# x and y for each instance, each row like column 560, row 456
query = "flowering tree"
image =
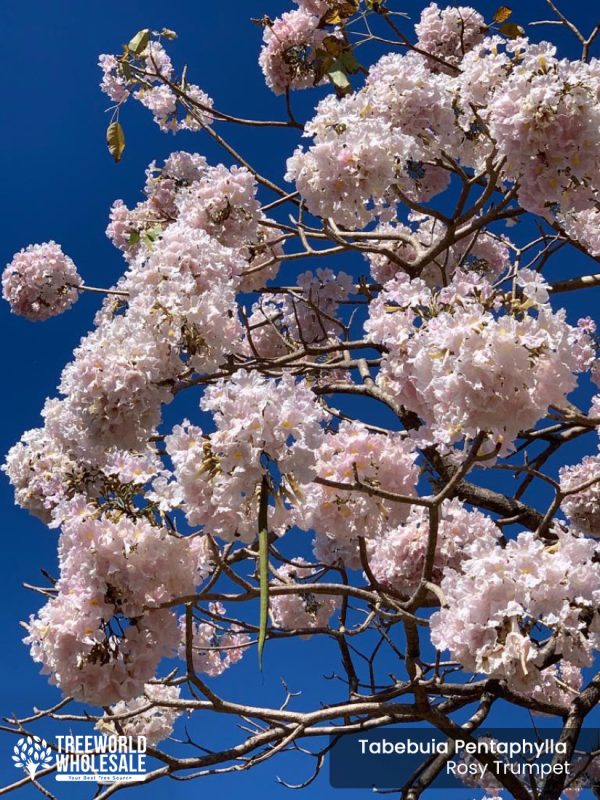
column 458, row 165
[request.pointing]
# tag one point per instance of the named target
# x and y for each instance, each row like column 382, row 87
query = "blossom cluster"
column 465, row 361
column 367, row 145
column 40, row 282
column 501, row 601
column 397, row 557
column 302, row 609
column 214, row 647
column 147, row 75
column 40, row 472
column 219, row 201
column 544, row 119
column 132, row 229
column 288, row 56
column 582, row 504
column 475, row 100
column 46, row 473
column 101, row 636
column 449, row 33
column 263, row 427
column 153, row 722
column 338, row 516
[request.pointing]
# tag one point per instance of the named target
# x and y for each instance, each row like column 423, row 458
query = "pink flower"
column 583, row 507
column 301, row 609
column 154, row 724
column 288, row 55
column 449, row 33
column 40, row 282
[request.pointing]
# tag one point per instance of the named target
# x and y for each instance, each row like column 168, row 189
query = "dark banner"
column 395, row 758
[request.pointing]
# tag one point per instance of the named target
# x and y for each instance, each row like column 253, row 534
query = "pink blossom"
column 220, row 474
column 583, row 507
column 112, row 569
column 468, row 367
column 396, row 558
column 223, row 203
column 372, row 140
column 493, row 599
column 153, row 724
column 302, row 609
column 287, row 57
column 449, row 33
column 112, row 82
column 215, row 646
column 40, row 282
column 339, row 517
column 155, row 90
column 162, row 101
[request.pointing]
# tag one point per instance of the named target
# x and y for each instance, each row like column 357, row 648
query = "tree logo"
column 31, row 754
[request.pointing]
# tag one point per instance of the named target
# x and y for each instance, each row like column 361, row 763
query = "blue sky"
column 59, row 184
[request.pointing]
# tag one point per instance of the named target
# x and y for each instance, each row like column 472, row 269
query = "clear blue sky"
column 59, row 184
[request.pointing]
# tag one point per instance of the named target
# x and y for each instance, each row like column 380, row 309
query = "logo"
column 102, row 759
column 31, row 754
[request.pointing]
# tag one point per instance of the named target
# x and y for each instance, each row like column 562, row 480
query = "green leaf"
column 134, row 238
column 263, row 567
column 502, row 14
column 511, row 30
column 154, row 232
column 115, row 139
column 151, row 235
column 349, row 62
column 336, row 60
column 321, row 64
column 139, row 42
column 168, row 33
column 126, row 70
column 337, row 75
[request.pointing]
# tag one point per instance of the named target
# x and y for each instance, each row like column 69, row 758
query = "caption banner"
column 394, row 758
